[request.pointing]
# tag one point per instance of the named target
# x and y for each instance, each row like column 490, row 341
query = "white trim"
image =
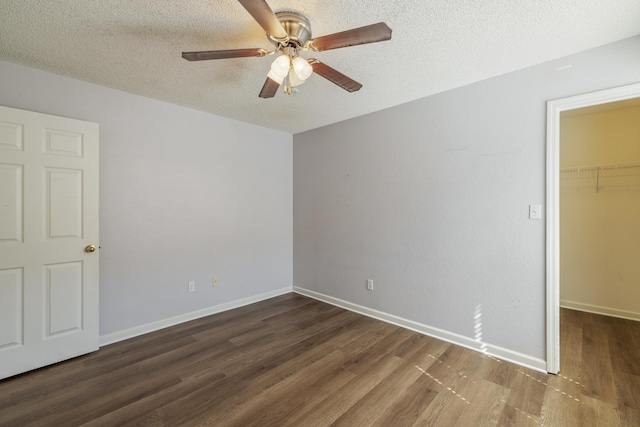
column 553, row 239
column 597, row 309
column 554, row 108
column 470, row 343
column 165, row 323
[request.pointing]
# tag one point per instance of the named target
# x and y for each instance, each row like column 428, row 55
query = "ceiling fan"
column 290, row 32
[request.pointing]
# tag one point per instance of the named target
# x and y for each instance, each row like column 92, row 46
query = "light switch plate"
column 535, row 211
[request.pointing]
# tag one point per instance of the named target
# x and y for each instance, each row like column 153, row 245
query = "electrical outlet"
column 370, row 284
column 215, row 281
column 192, row 286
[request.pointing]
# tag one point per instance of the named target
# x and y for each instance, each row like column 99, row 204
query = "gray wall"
column 184, row 196
column 430, row 200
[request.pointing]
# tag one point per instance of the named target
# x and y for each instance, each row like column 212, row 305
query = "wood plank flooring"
column 294, row 361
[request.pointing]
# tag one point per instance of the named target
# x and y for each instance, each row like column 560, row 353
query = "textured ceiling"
column 437, row 45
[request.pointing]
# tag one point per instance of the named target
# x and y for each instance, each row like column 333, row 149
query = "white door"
column 48, row 220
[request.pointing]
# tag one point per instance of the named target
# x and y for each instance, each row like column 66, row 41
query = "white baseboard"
column 165, row 323
column 491, row 350
column 596, row 309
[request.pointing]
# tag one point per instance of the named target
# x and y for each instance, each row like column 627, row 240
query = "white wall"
column 599, row 230
column 430, row 200
column 184, row 196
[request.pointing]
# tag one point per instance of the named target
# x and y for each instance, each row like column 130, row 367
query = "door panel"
column 10, row 136
column 49, row 214
column 63, row 215
column 10, row 203
column 11, row 290
column 63, row 298
column 63, row 143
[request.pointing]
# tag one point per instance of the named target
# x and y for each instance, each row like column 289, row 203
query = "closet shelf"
column 616, row 166
column 600, row 172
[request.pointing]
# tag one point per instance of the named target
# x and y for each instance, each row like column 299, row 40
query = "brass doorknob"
column 90, row 248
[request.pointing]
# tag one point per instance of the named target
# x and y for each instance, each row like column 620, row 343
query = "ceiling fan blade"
column 222, row 54
column 346, row 83
column 268, row 20
column 369, row 34
column 269, row 88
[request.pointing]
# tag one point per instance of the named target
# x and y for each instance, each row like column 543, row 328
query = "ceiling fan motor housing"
column 297, row 27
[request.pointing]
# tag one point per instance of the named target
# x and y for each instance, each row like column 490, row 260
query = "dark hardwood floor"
column 294, row 361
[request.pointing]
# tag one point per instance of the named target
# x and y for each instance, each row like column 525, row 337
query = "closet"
column 600, row 209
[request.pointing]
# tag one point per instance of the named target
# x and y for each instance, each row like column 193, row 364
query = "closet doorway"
column 593, row 166
column 599, row 209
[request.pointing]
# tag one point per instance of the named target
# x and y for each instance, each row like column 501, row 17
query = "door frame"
column 554, row 108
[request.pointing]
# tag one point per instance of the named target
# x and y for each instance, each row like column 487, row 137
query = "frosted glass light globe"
column 279, row 69
column 302, row 68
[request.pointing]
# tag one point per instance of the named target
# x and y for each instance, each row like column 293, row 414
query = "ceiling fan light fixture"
column 289, row 65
